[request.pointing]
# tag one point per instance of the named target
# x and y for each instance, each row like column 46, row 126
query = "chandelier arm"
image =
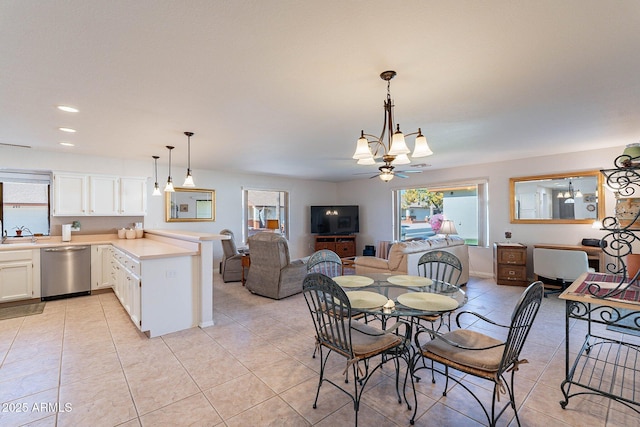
column 412, row 133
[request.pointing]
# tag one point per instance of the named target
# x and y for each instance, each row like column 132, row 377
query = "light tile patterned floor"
column 253, row 368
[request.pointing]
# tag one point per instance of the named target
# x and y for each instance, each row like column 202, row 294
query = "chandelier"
column 570, row 195
column 390, row 145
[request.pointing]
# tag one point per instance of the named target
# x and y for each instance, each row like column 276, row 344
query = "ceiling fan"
column 388, row 171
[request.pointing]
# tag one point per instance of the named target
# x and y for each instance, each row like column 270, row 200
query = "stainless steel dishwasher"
column 65, row 271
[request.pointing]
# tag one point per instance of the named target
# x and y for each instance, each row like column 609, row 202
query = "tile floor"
column 253, row 368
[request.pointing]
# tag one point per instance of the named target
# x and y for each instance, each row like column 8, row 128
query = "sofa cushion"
column 403, row 256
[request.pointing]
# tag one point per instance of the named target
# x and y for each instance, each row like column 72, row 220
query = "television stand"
column 342, row 244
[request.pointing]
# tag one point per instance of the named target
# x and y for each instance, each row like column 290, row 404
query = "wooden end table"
column 245, row 261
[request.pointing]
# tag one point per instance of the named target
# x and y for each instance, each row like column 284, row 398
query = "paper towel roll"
column 66, row 232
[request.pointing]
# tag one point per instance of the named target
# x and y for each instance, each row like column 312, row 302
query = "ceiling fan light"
column 421, row 148
column 398, row 145
column 362, row 149
column 367, row 161
column 386, row 176
column 401, row 159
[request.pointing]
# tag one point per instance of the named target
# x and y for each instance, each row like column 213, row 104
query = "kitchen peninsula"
column 164, row 280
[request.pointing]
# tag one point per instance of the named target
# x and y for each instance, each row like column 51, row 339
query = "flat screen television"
column 335, row 219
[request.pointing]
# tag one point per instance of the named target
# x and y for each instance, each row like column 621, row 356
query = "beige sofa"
column 403, row 257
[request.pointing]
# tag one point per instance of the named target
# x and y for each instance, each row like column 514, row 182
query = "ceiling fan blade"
column 410, row 171
column 399, row 175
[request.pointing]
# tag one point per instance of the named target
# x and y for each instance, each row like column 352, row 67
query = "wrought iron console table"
column 604, row 366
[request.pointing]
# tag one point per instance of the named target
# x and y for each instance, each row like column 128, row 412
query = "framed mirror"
column 567, row 198
column 190, row 204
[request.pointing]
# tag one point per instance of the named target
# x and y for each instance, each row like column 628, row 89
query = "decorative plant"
column 20, row 229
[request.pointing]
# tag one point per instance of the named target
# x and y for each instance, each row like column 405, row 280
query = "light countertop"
column 139, row 248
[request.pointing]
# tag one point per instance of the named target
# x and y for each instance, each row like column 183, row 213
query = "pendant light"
column 156, row 187
column 169, row 187
column 188, row 181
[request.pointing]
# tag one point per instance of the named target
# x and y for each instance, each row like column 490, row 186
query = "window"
column 24, row 202
column 265, row 210
column 417, row 211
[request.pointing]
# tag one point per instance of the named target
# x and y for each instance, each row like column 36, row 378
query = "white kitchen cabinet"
column 98, row 195
column 16, row 275
column 101, row 267
column 133, row 196
column 104, row 195
column 155, row 292
column 126, row 271
column 69, row 194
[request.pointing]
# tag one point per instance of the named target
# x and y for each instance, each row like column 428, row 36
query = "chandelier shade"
column 570, row 195
column 391, row 145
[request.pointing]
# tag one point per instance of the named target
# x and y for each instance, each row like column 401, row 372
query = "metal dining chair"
column 444, row 267
column 359, row 343
column 326, row 262
column 482, row 356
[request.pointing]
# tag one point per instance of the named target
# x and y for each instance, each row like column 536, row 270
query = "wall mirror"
column 190, row 204
column 567, row 198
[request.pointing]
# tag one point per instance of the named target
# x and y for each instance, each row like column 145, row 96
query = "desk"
column 595, row 254
column 604, row 366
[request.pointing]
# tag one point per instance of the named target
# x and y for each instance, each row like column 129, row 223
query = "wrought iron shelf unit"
column 606, row 366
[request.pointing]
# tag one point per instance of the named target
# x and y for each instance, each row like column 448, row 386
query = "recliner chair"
column 232, row 259
column 272, row 273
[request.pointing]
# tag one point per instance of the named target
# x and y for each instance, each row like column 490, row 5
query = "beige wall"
column 374, row 198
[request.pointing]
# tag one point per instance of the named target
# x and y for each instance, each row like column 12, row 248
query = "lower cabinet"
column 158, row 294
column 101, row 256
column 17, row 275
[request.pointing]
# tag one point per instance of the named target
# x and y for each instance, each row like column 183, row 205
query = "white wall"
column 375, row 200
column 228, row 188
column 373, row 196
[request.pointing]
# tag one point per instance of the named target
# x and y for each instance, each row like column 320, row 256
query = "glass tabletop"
column 410, row 295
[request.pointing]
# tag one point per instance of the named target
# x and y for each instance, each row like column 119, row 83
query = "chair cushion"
column 488, row 360
column 368, row 340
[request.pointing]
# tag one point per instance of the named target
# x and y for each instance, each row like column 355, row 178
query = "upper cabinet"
column 98, row 195
column 133, row 196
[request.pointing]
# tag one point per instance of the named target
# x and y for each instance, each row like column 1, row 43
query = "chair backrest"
column 522, row 319
column 269, row 249
column 331, row 312
column 440, row 265
column 559, row 263
column 229, row 246
column 326, row 262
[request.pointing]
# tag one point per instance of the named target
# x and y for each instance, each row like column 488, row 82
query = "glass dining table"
column 393, row 295
column 405, row 298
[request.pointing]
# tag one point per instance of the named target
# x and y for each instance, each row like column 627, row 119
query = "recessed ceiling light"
column 67, row 130
column 67, row 109
column 67, row 144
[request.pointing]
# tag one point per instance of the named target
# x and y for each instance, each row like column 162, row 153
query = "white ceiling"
column 285, row 86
